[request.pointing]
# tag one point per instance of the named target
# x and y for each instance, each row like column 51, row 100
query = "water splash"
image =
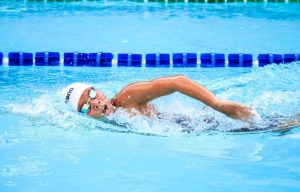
column 48, row 110
column 272, row 90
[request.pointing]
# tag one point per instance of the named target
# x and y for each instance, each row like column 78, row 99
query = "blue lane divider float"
column 240, row 60
column 47, row 59
column 88, row 59
column 289, row 58
column 212, row 60
column 75, row 59
column 20, row 59
column 101, row 59
column 266, row 59
column 185, row 60
column 1, row 58
column 129, row 60
column 158, row 60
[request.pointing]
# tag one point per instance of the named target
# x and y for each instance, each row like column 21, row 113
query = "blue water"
column 44, row 147
column 151, row 27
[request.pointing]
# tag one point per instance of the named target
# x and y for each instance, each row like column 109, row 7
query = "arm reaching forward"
column 142, row 92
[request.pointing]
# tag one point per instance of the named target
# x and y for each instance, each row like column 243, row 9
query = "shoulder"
column 125, row 96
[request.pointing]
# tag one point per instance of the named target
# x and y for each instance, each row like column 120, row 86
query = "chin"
column 96, row 116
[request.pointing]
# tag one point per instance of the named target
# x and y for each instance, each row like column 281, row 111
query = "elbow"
column 179, row 81
column 181, row 78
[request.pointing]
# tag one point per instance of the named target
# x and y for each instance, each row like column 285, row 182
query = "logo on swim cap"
column 72, row 94
column 68, row 95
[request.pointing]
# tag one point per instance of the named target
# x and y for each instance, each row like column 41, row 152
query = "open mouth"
column 104, row 109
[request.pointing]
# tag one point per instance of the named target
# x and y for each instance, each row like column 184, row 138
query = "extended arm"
column 144, row 92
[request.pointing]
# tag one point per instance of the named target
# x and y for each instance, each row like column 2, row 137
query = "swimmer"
column 84, row 98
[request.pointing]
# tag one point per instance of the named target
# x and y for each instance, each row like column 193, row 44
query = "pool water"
column 44, row 147
column 118, row 26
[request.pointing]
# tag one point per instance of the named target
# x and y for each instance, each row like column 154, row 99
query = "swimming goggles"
column 87, row 106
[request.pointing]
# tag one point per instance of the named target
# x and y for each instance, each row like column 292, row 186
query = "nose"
column 97, row 104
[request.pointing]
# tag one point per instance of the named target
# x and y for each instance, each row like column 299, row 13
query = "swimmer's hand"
column 238, row 111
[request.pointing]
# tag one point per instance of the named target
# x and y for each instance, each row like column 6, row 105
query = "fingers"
column 251, row 115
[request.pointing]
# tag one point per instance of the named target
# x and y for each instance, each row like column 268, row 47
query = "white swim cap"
column 72, row 94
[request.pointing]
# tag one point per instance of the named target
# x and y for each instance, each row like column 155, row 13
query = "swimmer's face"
column 99, row 107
